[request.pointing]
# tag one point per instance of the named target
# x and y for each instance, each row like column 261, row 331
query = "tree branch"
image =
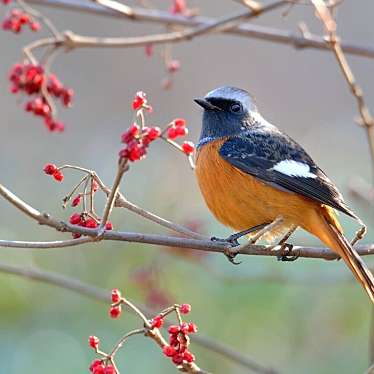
column 334, row 43
column 248, row 30
column 155, row 239
column 99, row 294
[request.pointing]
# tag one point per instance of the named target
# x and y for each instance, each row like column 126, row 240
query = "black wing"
column 257, row 153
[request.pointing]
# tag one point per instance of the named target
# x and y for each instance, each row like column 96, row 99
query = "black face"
column 222, row 117
column 229, row 106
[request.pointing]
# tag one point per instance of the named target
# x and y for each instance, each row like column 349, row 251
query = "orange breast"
column 240, row 200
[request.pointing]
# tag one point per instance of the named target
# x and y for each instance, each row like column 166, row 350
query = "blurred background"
column 303, row 317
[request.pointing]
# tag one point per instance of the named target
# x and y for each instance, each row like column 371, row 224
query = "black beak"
column 206, row 104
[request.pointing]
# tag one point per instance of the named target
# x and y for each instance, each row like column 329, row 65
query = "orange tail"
column 329, row 231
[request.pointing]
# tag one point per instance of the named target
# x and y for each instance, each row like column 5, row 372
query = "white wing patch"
column 294, row 169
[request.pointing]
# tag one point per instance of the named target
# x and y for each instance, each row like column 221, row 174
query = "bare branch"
column 77, row 286
column 170, row 241
column 334, row 43
column 248, row 30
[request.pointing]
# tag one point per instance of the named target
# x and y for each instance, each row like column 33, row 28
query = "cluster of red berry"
column 99, row 367
column 179, row 340
column 138, row 138
column 31, row 80
column 178, row 128
column 52, row 169
column 84, row 220
column 115, row 308
column 137, row 141
column 17, row 19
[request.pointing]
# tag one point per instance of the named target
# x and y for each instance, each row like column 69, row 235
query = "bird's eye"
column 236, row 108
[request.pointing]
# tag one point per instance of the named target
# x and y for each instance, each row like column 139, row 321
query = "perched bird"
column 252, row 175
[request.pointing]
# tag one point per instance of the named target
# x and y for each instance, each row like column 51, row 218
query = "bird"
column 255, row 178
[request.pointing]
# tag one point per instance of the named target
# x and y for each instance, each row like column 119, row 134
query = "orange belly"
column 241, row 201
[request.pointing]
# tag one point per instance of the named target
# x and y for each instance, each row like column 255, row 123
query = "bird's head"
column 227, row 112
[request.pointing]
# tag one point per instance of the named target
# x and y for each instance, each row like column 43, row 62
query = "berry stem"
column 120, row 342
column 69, row 196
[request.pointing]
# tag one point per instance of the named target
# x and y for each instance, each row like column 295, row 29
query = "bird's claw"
column 230, row 255
column 287, row 258
column 233, row 241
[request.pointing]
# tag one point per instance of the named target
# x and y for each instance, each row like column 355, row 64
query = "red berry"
column 173, row 340
column 172, row 133
column 157, row 322
column 192, row 328
column 99, row 369
column 115, row 311
column 179, row 6
column 34, row 26
column 154, row 133
column 95, row 186
column 75, row 219
column 116, row 295
column 76, row 200
column 149, row 49
column 67, row 95
column 173, row 66
column 50, row 169
column 188, row 356
column 177, row 359
column 188, row 148
column 58, row 176
column 181, row 131
column 95, row 363
column 169, row 351
column 184, row 328
column 76, row 235
column 109, row 370
column 185, row 308
column 109, row 226
column 94, row 342
column 130, row 134
column 91, row 223
column 179, row 122
column 139, row 101
column 173, row 329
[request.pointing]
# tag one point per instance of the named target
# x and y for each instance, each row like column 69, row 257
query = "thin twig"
column 334, row 43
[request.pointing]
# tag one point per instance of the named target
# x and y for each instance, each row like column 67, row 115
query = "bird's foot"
column 230, row 255
column 286, row 257
column 232, row 240
column 229, row 252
